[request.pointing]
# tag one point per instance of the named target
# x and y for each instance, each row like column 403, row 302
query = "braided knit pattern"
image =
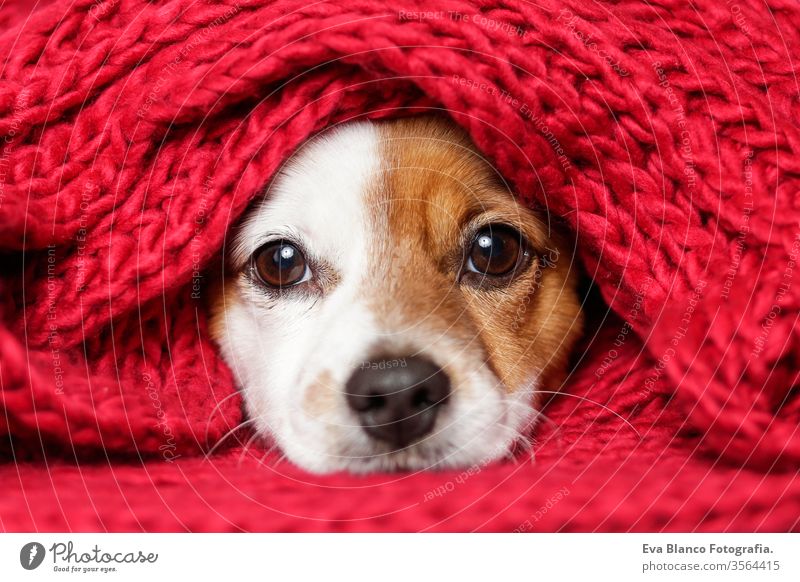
column 664, row 134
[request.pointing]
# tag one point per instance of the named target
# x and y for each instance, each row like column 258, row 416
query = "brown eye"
column 496, row 251
column 280, row 264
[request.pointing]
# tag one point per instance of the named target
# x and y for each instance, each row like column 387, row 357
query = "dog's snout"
column 397, row 400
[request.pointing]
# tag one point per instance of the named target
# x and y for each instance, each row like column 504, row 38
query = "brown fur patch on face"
column 223, row 295
column 434, row 186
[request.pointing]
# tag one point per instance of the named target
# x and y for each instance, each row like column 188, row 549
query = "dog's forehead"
column 435, row 181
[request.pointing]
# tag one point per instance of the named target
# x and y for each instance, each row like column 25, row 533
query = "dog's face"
column 390, row 306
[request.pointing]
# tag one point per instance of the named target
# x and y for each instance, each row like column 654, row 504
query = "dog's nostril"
column 398, row 403
column 422, row 398
column 375, row 402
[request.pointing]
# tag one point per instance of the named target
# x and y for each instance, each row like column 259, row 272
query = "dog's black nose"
column 397, row 400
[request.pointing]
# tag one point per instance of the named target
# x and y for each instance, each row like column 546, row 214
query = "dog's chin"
column 413, row 458
column 422, row 457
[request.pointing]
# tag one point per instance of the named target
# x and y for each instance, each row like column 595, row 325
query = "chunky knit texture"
column 663, row 133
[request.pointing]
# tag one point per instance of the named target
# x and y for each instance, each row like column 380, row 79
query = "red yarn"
column 665, row 135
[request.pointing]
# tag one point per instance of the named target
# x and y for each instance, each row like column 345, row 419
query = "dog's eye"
column 280, row 264
column 496, row 251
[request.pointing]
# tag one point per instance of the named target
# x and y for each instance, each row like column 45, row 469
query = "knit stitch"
column 664, row 134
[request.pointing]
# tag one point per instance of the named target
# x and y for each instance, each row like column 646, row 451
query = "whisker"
column 538, row 414
column 603, row 406
column 227, row 434
column 267, row 452
column 217, row 407
column 522, row 443
column 246, row 445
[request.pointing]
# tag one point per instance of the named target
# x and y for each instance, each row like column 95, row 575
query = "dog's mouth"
column 425, row 455
column 414, row 457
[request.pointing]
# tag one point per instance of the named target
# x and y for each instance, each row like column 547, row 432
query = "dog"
column 388, row 305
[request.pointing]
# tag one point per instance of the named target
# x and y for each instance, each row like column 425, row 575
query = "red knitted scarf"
column 665, row 134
